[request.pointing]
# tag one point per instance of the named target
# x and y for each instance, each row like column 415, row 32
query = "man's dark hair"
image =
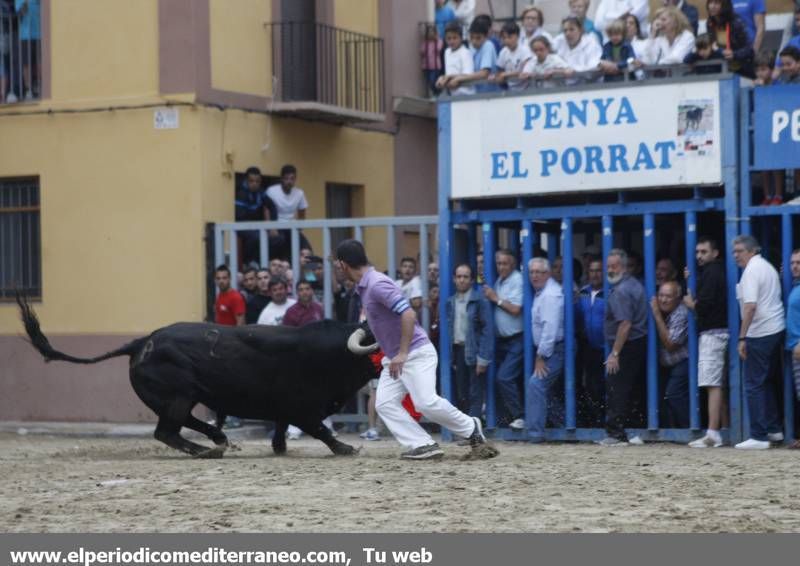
column 224, row 268
column 250, row 270
column 277, row 281
column 302, row 282
column 352, row 253
column 288, row 170
column 407, row 258
column 468, row 266
column 253, row 171
column 453, row 27
column 710, row 241
column 510, row 28
column 480, row 26
column 791, row 51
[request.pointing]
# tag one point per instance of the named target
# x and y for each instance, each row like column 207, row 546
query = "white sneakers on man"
column 517, row 424
column 708, row 441
column 753, row 444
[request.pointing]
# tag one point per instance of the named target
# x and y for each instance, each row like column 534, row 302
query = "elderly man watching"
column 507, row 297
column 760, row 337
column 625, row 329
column 469, row 317
column 672, row 323
column 547, row 320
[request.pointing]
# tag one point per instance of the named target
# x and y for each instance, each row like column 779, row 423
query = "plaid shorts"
column 713, row 349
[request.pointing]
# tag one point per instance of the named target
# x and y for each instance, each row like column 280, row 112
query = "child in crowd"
column 484, row 57
column 616, row 52
column 457, row 61
column 772, row 181
column 790, row 66
column 429, row 52
column 512, row 58
column 581, row 51
column 532, row 22
column 544, row 65
column 704, row 50
column 765, row 63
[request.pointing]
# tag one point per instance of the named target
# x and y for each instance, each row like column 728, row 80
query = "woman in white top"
column 544, row 64
column 531, row 26
column 580, row 51
column 634, row 35
column 671, row 38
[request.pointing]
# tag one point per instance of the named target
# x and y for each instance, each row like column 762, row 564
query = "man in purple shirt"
column 410, row 361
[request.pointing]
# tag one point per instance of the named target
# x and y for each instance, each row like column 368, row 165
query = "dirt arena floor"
column 58, row 484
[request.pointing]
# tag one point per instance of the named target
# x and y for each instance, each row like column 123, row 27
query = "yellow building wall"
column 357, row 15
column 241, row 46
column 104, row 49
column 122, row 247
column 321, row 152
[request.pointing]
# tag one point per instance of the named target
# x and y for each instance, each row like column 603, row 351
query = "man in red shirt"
column 306, row 309
column 229, row 308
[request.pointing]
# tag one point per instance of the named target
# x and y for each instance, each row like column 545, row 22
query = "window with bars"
column 20, row 238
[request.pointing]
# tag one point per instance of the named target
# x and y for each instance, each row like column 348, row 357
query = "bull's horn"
column 354, row 343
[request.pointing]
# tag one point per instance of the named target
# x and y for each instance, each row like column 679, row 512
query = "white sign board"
column 166, row 119
column 588, row 140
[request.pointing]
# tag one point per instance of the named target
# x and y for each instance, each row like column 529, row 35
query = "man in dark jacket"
column 252, row 205
column 470, row 319
column 590, row 312
column 711, row 308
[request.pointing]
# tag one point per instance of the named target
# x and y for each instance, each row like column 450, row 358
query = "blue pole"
column 652, row 336
column 489, row 246
column 445, row 259
column 787, row 245
column 736, row 179
column 569, row 325
column 694, row 394
column 526, row 237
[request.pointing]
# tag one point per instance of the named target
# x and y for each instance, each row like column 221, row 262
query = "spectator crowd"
column 20, row 50
column 485, row 328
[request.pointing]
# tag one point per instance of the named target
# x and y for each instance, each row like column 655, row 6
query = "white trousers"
column 419, row 380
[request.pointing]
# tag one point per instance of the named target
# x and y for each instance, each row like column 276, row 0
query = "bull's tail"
column 42, row 344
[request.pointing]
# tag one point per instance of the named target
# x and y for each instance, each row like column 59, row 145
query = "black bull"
column 289, row 375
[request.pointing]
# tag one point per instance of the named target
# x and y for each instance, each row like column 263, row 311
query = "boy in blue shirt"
column 484, row 57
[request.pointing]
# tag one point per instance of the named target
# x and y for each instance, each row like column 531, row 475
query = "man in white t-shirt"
column 410, row 284
column 273, row 313
column 760, row 340
column 512, row 57
column 457, row 60
column 289, row 200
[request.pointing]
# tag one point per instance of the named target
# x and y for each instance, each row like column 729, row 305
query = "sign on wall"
column 588, row 140
column 776, row 114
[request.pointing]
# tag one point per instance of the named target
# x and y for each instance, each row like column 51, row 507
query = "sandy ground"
column 130, row 484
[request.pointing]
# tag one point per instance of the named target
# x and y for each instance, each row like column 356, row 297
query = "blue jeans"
column 675, row 406
column 540, row 402
column 509, row 359
column 762, row 355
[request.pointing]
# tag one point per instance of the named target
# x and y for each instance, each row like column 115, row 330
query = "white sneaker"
column 517, row 424
column 11, row 98
column 775, row 437
column 636, row 441
column 753, row 444
column 706, row 442
column 293, row 433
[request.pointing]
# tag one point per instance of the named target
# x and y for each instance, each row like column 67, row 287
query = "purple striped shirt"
column 384, row 302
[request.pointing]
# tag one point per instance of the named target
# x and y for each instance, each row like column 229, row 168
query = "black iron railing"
column 20, row 55
column 319, row 63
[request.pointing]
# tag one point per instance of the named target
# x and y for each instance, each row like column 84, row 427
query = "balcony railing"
column 317, row 63
column 20, row 56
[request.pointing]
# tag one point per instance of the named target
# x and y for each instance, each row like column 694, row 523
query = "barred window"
column 20, row 238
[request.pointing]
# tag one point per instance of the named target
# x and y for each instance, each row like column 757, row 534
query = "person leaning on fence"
column 430, row 57
column 252, row 205
column 625, row 328
column 589, row 316
column 544, row 64
column 484, row 59
column 730, row 34
column 705, row 52
column 581, row 51
column 290, row 203
column 771, row 181
column 634, row 35
column 507, row 298
column 790, row 68
column 616, row 53
column 711, row 309
column 471, row 324
column 458, row 61
column 671, row 39
column 760, row 340
column 794, row 41
column 547, row 323
column 793, row 326
column 672, row 324
column 513, row 57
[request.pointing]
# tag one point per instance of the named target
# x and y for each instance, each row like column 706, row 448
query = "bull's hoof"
column 346, row 450
column 212, row 453
column 481, row 452
column 233, row 447
column 279, row 450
